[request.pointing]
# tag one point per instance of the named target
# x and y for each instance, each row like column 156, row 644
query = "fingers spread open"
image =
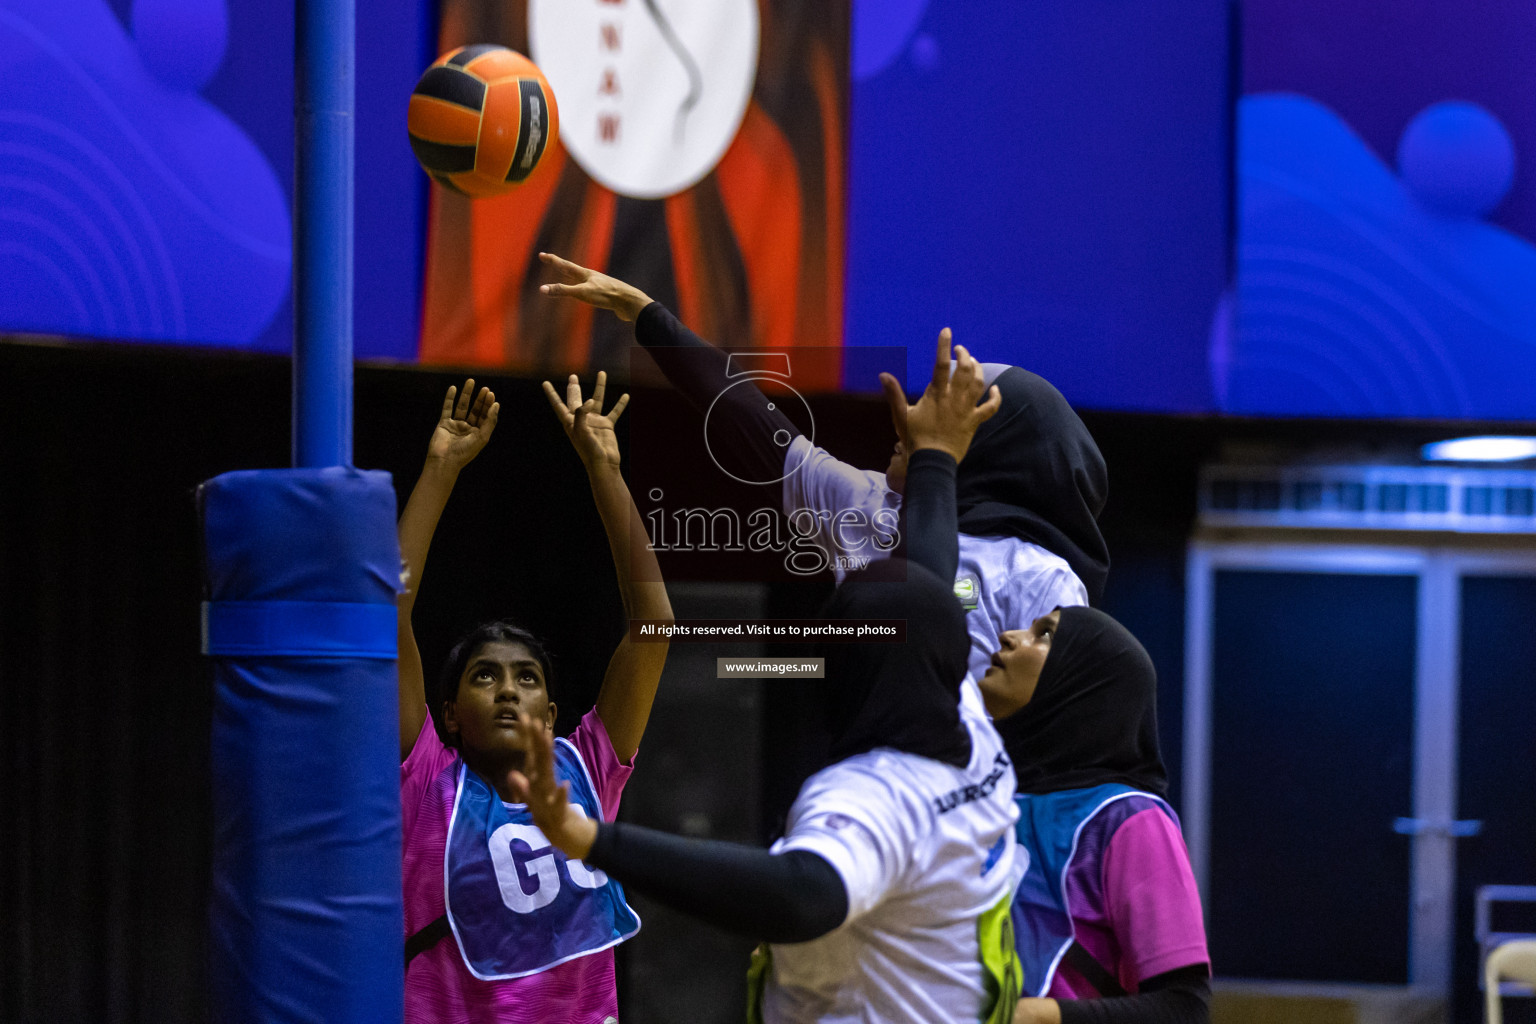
column 482, row 407
column 447, row 413
column 941, row 360
column 573, row 392
column 554, row 403
column 986, row 410
column 602, row 386
column 966, row 364
column 897, row 400
column 618, row 408
column 573, row 271
column 461, row 408
column 969, row 381
column 541, row 756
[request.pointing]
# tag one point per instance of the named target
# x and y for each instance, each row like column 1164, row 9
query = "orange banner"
column 701, row 157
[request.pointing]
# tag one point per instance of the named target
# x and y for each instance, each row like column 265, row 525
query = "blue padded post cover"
column 302, row 567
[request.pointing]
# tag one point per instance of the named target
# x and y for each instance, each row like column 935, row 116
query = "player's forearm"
column 1177, row 997
column 693, row 365
column 418, row 522
column 634, row 672
column 742, row 419
column 1148, row 1008
column 413, row 689
column 634, row 562
column 789, row 897
column 933, row 525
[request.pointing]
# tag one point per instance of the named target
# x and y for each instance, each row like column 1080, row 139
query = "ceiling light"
column 1481, row 449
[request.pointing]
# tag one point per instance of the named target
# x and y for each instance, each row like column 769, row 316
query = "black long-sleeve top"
column 793, row 896
column 933, row 526
column 1181, row 996
column 742, row 418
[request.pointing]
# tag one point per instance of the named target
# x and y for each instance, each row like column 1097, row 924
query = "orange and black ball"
column 481, row 118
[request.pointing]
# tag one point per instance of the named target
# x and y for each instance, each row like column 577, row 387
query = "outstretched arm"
column 938, row 431
column 793, row 896
column 463, row 428
column 629, row 685
column 621, row 298
column 745, row 419
column 1181, row 996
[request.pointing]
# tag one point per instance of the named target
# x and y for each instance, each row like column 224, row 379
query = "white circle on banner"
column 651, row 92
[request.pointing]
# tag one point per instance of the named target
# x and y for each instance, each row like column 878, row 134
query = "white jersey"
column 850, row 514
column 924, row 850
column 1003, row 582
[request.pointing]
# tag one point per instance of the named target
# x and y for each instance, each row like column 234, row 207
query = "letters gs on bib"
column 539, row 864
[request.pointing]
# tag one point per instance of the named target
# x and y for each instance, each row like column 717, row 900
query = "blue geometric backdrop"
column 1362, row 291
column 1071, row 187
column 146, row 170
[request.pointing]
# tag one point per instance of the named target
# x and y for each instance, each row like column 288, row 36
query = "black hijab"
column 1093, row 718
column 900, row 695
column 1034, row 472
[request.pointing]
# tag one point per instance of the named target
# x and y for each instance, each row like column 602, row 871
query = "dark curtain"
column 104, row 870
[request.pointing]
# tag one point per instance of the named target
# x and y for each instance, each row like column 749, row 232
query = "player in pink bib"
column 1106, row 919
column 501, row 926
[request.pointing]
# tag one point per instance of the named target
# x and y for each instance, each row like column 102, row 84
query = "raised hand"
column 595, row 289
column 464, row 426
column 548, row 799
column 946, row 416
column 590, row 431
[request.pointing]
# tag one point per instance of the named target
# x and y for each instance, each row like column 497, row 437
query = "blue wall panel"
column 1060, row 183
column 1050, row 181
column 149, row 155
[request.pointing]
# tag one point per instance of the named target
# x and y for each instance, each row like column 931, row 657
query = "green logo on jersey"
column 968, row 591
column 1003, row 970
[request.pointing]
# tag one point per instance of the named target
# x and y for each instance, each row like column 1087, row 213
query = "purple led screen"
column 1387, row 211
column 148, row 150
column 1050, row 180
column 1340, row 222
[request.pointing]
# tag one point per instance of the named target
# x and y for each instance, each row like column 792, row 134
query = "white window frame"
column 1440, row 569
